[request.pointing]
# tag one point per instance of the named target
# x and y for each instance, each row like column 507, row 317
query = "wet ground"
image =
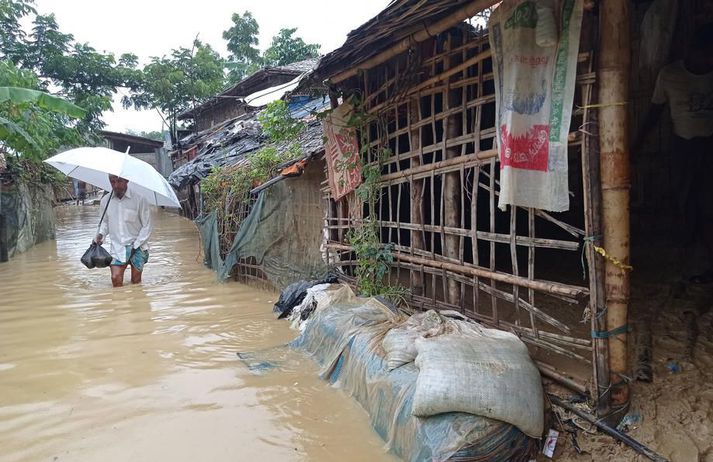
column 151, row 372
column 673, row 415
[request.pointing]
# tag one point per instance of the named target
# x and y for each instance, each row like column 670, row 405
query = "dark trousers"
column 692, row 177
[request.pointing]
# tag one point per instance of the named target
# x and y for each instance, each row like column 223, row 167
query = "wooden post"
column 614, row 62
column 451, row 181
column 333, row 217
column 592, row 201
column 416, row 188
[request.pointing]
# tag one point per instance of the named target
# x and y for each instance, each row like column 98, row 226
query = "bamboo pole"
column 492, row 212
column 540, row 343
column 531, row 263
column 466, row 12
column 613, row 70
column 555, row 288
column 425, row 170
column 592, row 197
column 558, row 376
column 638, row 447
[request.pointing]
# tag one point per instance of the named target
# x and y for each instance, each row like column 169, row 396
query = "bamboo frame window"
column 519, row 270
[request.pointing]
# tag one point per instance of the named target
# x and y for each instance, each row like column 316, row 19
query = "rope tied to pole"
column 602, row 105
column 613, row 260
column 601, row 251
column 611, row 333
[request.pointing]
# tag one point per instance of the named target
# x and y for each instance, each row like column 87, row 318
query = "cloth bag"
column 96, row 256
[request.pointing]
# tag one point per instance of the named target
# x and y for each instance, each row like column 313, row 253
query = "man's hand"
column 99, row 239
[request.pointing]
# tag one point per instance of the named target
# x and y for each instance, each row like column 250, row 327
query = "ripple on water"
column 150, row 372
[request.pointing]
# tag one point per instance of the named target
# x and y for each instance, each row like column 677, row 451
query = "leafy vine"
column 374, row 259
column 227, row 189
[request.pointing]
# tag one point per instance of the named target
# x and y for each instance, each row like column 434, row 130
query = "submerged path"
column 150, row 372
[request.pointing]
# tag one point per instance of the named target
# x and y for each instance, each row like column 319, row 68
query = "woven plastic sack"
column 400, row 343
column 546, row 32
column 400, row 347
column 480, row 371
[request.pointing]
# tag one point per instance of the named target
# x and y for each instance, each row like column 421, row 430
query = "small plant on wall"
column 374, row 259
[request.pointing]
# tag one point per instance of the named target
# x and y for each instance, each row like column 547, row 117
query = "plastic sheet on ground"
column 344, row 335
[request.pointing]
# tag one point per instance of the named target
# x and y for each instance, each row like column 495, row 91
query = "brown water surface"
column 151, row 372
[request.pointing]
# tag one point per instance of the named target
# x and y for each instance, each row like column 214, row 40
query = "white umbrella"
column 94, row 165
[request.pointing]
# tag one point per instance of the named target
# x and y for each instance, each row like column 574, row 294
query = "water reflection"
column 150, row 372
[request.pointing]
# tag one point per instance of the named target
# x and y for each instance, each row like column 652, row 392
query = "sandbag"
column 400, row 347
column 480, row 371
column 400, row 343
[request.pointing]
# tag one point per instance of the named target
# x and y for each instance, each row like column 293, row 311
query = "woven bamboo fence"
column 433, row 110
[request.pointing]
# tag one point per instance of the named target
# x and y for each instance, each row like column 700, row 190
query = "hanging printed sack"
column 534, row 90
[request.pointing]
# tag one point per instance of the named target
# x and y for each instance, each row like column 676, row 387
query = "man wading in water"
column 128, row 222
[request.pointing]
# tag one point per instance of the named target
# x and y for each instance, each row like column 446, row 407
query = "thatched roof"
column 399, row 24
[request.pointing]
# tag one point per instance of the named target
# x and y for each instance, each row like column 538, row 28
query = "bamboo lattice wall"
column 433, row 111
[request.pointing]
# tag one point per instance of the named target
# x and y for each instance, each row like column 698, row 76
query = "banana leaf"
column 16, row 95
column 10, row 130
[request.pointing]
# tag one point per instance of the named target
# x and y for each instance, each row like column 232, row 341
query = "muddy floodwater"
column 151, row 372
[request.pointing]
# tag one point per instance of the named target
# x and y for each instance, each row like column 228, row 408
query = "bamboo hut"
column 423, row 73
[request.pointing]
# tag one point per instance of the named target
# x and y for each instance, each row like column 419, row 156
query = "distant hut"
column 279, row 221
column 147, row 149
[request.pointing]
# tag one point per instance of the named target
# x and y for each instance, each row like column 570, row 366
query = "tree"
column 32, row 122
column 90, row 79
column 12, row 35
column 83, row 75
column 19, row 96
column 153, row 135
column 176, row 83
column 45, row 45
column 244, row 58
column 285, row 49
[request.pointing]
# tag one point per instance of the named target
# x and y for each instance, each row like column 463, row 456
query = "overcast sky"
column 154, row 27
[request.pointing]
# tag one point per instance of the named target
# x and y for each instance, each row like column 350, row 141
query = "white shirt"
column 690, row 98
column 127, row 221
